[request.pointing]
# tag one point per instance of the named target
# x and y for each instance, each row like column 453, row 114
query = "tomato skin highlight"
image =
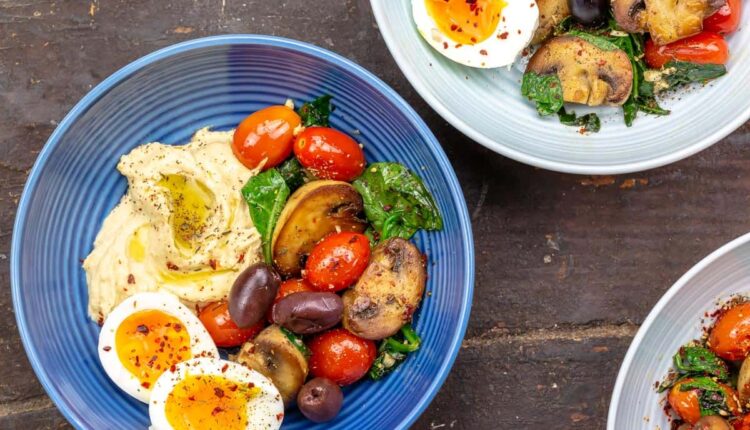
column 341, row 356
column 742, row 423
column 686, row 403
column 726, row 20
column 337, row 261
column 703, row 48
column 730, row 336
column 267, row 134
column 329, row 154
column 286, row 288
column 225, row 333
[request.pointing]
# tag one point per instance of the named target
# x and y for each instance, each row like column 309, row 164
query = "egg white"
column 201, row 343
column 518, row 22
column 265, row 411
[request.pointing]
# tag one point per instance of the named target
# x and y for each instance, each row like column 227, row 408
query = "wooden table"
column 567, row 266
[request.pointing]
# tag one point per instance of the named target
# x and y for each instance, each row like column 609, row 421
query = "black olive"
column 589, row 12
column 308, row 312
column 320, row 400
column 252, row 294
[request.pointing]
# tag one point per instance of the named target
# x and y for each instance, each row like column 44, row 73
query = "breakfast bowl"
column 166, row 96
column 488, row 107
column 681, row 316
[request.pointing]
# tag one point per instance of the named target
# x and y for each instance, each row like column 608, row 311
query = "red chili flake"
column 250, row 385
column 280, row 416
column 152, row 360
column 503, row 36
column 387, row 208
column 191, row 398
column 454, row 27
column 233, row 388
column 137, row 361
column 217, row 410
column 177, row 328
column 172, row 266
column 212, row 263
column 445, row 45
column 241, row 258
column 145, row 384
column 143, row 329
column 218, row 392
column 107, row 348
column 172, row 368
column 483, row 51
column 224, row 368
column 131, row 279
column 473, row 40
column 458, row 45
column 100, row 321
column 602, row 62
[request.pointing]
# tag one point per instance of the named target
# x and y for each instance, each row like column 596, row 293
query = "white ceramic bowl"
column 487, row 106
column 674, row 321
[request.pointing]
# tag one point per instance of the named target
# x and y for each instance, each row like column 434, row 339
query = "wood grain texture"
column 567, row 266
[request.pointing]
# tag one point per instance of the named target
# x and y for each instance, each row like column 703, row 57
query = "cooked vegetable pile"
column 624, row 54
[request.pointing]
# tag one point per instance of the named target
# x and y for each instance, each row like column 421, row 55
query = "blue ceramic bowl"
column 166, row 96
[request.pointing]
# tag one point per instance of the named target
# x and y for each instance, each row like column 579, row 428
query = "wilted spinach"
column 393, row 351
column 396, row 201
column 316, row 112
column 590, row 122
column 712, row 398
column 294, row 174
column 266, row 195
column 697, row 360
column 545, row 91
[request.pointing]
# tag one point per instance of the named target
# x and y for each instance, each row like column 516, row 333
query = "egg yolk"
column 209, row 402
column 191, row 202
column 467, row 22
column 150, row 342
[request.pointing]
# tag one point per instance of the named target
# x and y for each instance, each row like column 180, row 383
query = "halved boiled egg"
column 209, row 393
column 477, row 33
column 146, row 335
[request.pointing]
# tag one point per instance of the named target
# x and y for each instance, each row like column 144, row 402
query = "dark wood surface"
column 567, row 266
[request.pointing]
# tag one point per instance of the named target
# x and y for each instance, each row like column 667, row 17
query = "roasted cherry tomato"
column 265, row 135
column 337, row 261
column 730, row 335
column 225, row 333
column 288, row 287
column 329, row 154
column 726, row 20
column 686, row 403
column 703, row 48
column 742, row 423
column 341, row 356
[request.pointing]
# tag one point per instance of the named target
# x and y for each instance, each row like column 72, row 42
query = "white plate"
column 487, row 106
column 674, row 321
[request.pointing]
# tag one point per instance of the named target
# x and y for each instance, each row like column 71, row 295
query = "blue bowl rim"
column 248, row 39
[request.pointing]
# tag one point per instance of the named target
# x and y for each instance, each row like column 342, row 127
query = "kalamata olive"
column 589, row 12
column 252, row 294
column 320, row 400
column 308, row 312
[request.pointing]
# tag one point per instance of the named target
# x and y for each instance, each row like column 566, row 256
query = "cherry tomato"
column 329, row 154
column 726, row 20
column 742, row 423
column 703, row 48
column 265, row 135
column 224, row 332
column 686, row 403
column 341, row 356
column 730, row 335
column 337, row 261
column 288, row 287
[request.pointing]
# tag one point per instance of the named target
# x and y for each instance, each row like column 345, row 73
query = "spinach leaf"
column 393, row 351
column 294, row 174
column 544, row 90
column 589, row 122
column 681, row 73
column 697, row 360
column 712, row 398
column 266, row 195
column 296, row 341
column 597, row 40
column 396, row 201
column 316, row 112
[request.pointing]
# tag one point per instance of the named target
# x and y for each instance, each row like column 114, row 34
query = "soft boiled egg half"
column 477, row 33
column 209, row 393
column 146, row 335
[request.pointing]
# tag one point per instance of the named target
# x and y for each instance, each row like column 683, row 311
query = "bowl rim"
column 656, row 311
column 243, row 39
column 404, row 63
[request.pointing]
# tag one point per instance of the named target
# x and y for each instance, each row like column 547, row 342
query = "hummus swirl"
column 182, row 227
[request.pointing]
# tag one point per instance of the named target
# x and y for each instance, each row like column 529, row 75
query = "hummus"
column 182, row 227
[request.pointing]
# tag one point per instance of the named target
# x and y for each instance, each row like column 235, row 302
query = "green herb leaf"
column 600, row 42
column 697, row 360
column 589, row 122
column 393, row 351
column 396, row 201
column 544, row 90
column 681, row 73
column 294, row 174
column 266, row 195
column 316, row 112
column 296, row 341
column 712, row 398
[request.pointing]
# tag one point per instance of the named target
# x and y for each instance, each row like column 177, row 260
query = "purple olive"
column 308, row 312
column 252, row 294
column 320, row 400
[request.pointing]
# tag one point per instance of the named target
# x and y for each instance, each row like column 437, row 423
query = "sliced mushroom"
column 551, row 13
column 275, row 356
column 389, row 291
column 743, row 383
column 665, row 20
column 312, row 212
column 589, row 75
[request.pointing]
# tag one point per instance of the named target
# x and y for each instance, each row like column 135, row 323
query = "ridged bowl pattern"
column 487, row 106
column 166, row 97
column 674, row 321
